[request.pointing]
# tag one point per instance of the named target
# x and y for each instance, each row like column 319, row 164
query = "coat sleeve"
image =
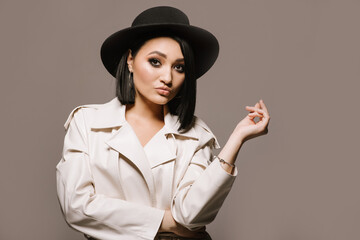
column 93, row 214
column 204, row 187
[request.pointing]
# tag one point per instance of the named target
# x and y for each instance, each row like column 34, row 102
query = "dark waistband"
column 168, row 236
column 173, row 236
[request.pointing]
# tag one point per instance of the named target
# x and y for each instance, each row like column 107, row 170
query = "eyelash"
column 182, row 68
column 156, row 63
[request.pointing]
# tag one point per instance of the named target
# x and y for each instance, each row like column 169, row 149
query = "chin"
column 159, row 100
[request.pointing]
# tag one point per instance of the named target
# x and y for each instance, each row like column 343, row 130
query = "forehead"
column 164, row 45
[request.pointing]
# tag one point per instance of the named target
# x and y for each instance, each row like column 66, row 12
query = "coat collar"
column 112, row 115
column 124, row 141
column 109, row 115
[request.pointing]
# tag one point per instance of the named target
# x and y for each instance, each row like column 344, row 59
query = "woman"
column 141, row 166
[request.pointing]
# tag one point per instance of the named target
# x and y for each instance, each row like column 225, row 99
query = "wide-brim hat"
column 162, row 20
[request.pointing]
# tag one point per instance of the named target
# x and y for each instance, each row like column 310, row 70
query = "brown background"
column 302, row 57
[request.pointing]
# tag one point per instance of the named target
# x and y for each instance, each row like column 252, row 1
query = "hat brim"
column 204, row 44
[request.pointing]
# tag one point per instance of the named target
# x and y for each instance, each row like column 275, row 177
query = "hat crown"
column 161, row 19
column 161, row 15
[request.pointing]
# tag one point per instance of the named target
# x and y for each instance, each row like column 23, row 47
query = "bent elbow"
column 74, row 205
column 191, row 217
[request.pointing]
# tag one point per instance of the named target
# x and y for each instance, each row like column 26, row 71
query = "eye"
column 154, row 62
column 180, row 68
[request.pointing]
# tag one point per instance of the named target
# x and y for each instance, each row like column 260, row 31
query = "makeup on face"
column 158, row 70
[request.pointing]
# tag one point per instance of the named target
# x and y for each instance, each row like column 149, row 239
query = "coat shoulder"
column 88, row 107
column 206, row 136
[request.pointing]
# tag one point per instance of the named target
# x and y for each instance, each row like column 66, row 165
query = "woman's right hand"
column 168, row 224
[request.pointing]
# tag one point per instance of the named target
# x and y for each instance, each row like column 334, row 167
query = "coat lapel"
column 158, row 150
column 123, row 140
column 127, row 144
column 172, row 125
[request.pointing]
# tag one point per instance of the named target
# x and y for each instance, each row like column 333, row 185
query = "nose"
column 166, row 75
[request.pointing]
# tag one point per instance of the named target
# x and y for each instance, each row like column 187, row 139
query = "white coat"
column 110, row 187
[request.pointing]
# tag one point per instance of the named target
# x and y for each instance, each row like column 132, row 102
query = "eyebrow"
column 164, row 56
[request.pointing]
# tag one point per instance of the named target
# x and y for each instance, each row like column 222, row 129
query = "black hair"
column 183, row 104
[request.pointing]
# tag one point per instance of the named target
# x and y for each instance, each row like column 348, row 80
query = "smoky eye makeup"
column 154, row 62
column 180, row 68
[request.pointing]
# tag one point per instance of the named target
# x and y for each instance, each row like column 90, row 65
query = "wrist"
column 238, row 136
column 227, row 166
column 235, row 142
column 168, row 223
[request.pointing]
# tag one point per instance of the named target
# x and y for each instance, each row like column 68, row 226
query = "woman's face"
column 158, row 70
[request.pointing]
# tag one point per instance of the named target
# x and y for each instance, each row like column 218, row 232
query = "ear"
column 130, row 61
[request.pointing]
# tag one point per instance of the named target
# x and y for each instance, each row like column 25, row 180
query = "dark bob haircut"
column 183, row 104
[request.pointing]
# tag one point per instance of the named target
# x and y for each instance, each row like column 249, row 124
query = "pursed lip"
column 165, row 90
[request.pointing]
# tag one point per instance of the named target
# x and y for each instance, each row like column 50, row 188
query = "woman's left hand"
column 248, row 128
column 245, row 130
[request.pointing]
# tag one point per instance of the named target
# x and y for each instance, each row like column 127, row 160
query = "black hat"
column 166, row 20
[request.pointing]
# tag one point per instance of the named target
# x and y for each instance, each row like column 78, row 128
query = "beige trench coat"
column 111, row 187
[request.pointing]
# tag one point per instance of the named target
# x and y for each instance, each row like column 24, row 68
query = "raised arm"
column 205, row 185
column 245, row 130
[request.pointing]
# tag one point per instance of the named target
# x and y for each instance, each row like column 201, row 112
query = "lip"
column 163, row 91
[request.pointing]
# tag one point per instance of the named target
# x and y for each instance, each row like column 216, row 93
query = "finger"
column 255, row 109
column 263, row 106
column 265, row 115
column 255, row 114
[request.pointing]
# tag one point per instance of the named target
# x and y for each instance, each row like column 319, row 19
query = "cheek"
column 179, row 81
column 143, row 74
column 178, row 84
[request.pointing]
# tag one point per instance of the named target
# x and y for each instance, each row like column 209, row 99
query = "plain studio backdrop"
column 300, row 181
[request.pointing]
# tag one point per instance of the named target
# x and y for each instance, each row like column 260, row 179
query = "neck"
column 145, row 109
